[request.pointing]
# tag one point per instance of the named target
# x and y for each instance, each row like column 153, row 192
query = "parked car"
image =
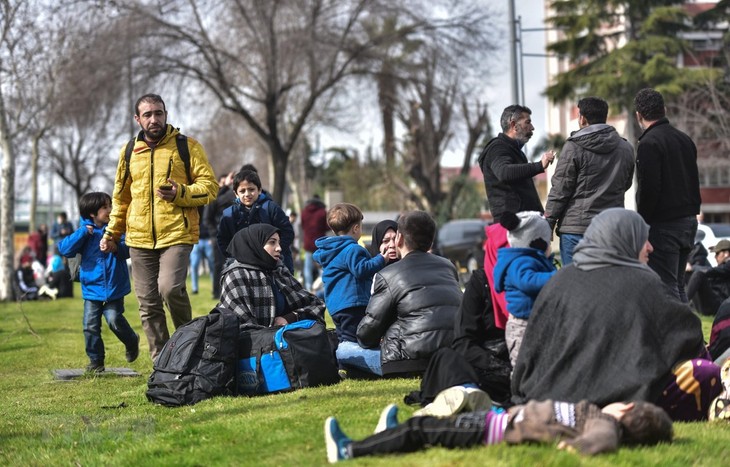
column 462, row 242
column 713, row 234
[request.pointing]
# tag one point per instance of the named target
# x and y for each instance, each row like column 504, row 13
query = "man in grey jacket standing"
column 594, row 171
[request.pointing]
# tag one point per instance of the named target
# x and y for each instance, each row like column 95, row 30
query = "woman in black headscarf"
column 383, row 240
column 257, row 285
column 603, row 329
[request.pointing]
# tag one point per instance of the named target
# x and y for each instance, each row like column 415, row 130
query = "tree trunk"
column 34, row 181
column 386, row 100
column 280, row 159
column 7, row 206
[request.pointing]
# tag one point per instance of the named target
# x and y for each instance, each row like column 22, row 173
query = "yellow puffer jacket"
column 149, row 221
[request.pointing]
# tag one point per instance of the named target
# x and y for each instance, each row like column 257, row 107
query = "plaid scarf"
column 247, row 291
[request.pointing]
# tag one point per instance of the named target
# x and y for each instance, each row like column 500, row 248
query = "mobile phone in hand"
column 165, row 187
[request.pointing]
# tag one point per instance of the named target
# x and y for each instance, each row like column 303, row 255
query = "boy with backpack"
column 104, row 280
column 254, row 206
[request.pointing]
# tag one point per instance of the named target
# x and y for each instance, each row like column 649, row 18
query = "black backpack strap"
column 184, row 152
column 182, row 149
column 127, row 158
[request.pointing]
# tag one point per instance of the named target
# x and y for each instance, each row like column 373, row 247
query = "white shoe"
column 388, row 419
column 45, row 290
column 446, row 403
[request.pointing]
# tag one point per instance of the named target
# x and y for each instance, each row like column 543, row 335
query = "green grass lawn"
column 107, row 420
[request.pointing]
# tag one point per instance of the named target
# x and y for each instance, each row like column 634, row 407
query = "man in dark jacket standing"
column 668, row 194
column 507, row 174
column 314, row 225
column 593, row 173
column 509, row 185
column 212, row 214
column 414, row 302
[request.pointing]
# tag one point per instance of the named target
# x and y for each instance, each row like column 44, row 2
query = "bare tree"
column 21, row 42
column 477, row 126
column 88, row 115
column 429, row 132
column 273, row 63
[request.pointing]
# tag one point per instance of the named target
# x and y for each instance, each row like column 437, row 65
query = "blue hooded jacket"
column 347, row 271
column 104, row 276
column 521, row 273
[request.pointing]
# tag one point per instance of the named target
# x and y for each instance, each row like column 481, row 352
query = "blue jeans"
column 203, row 249
column 672, row 242
column 308, row 271
column 567, row 245
column 350, row 354
column 113, row 311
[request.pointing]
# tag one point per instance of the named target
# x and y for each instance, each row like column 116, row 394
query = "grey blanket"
column 604, row 335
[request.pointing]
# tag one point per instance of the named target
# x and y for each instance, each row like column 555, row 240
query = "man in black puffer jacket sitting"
column 414, row 302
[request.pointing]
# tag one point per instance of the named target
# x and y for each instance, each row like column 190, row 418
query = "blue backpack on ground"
column 284, row 358
column 198, row 362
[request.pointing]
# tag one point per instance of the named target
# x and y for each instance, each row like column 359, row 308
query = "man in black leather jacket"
column 414, row 302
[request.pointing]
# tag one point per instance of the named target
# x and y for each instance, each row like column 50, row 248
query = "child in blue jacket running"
column 347, row 274
column 522, row 270
column 104, row 280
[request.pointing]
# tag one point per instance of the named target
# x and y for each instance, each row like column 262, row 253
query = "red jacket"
column 314, row 223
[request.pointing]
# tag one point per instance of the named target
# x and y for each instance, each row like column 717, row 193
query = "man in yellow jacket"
column 155, row 203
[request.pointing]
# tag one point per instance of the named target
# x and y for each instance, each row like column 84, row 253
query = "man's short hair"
column 512, row 113
column 342, row 217
column 150, row 99
column 646, row 424
column 650, row 104
column 594, row 109
column 90, row 203
column 418, row 230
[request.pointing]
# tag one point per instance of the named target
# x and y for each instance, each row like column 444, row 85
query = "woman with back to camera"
column 604, row 329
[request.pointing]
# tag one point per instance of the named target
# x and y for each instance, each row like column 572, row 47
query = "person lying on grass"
column 581, row 427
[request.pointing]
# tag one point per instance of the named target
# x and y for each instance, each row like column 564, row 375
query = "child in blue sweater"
column 254, row 206
column 104, row 280
column 347, row 274
column 522, row 270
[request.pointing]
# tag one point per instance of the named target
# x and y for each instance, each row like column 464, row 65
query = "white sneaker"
column 446, row 403
column 388, row 419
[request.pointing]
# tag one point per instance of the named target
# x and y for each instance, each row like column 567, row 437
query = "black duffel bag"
column 284, row 358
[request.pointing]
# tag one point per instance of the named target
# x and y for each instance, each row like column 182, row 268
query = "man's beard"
column 156, row 134
column 522, row 137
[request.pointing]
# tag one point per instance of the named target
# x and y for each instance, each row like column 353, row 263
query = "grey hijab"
column 615, row 237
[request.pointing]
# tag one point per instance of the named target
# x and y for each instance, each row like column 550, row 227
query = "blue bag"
column 284, row 358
